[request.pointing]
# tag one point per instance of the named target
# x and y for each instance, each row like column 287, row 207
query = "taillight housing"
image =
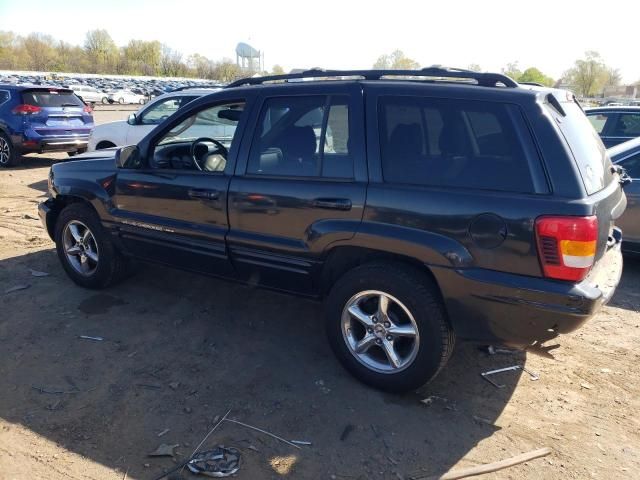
column 567, row 246
column 26, row 109
column 87, row 109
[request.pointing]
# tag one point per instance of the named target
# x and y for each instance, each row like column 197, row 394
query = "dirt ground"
column 180, row 350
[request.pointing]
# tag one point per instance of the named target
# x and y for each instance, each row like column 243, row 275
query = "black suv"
column 420, row 205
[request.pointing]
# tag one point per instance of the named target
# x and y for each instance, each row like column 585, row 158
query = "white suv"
column 134, row 129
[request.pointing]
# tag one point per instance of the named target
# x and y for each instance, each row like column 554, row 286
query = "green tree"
column 396, row 60
column 277, row 70
column 142, row 57
column 512, row 70
column 39, row 48
column 101, row 50
column 588, row 75
column 226, row 71
column 534, row 75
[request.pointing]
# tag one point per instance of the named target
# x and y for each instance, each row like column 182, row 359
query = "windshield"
column 216, row 122
column 51, row 98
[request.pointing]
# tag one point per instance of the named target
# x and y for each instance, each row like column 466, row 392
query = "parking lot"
column 178, row 351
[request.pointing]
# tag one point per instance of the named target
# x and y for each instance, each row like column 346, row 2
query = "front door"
column 300, row 186
column 173, row 209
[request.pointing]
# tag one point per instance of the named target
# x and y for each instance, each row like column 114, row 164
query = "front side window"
column 303, row 137
column 452, row 143
column 202, row 141
column 160, row 111
column 628, row 125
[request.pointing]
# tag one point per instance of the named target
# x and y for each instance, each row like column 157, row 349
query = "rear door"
column 60, row 113
column 300, row 184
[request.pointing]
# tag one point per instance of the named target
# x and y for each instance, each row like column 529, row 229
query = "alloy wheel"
column 380, row 331
column 5, row 151
column 80, row 247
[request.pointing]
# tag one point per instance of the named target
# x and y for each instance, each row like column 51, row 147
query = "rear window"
column 51, row 98
column 453, row 143
column 588, row 150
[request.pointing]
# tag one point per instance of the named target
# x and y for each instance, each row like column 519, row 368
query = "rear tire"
column 103, row 265
column 411, row 295
column 105, row 100
column 121, row 101
column 9, row 155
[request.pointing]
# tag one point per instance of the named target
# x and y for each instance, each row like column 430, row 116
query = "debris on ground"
column 164, row 432
column 87, row 337
column 220, row 462
column 301, row 442
column 489, row 467
column 16, row 288
column 164, row 450
column 485, row 375
column 174, row 385
column 261, row 431
column 36, row 273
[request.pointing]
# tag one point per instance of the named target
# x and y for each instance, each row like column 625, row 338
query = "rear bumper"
column 496, row 307
column 56, row 144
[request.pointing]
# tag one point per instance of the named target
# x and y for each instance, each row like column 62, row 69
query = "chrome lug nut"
column 378, row 341
column 389, row 337
column 387, row 324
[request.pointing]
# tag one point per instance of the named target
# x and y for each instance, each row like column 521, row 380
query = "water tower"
column 249, row 59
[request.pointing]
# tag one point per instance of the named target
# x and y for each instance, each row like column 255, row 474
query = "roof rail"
column 484, row 79
column 188, row 87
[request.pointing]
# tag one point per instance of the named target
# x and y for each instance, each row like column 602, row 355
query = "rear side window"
column 51, row 98
column 303, row 137
column 627, row 125
column 4, row 96
column 452, row 143
column 588, row 150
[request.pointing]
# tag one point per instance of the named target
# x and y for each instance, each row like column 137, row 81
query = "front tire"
column 121, row 101
column 9, row 155
column 105, row 100
column 388, row 327
column 85, row 250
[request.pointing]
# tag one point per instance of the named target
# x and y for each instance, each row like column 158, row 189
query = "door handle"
column 206, row 194
column 332, row 203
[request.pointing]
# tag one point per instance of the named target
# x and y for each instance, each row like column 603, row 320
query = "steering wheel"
column 221, row 149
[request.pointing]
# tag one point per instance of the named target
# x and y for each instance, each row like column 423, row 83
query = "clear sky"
column 348, row 34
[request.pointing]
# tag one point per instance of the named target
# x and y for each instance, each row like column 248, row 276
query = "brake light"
column 87, row 109
column 25, row 109
column 567, row 246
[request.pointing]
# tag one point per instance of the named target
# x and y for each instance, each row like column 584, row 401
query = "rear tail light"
column 87, row 109
column 567, row 246
column 25, row 109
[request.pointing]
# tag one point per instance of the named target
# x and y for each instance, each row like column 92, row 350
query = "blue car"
column 37, row 119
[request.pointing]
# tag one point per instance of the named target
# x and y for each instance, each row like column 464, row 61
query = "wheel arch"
column 59, row 203
column 341, row 259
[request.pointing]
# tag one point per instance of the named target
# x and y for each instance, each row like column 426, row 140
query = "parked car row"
column 480, row 210
column 100, row 89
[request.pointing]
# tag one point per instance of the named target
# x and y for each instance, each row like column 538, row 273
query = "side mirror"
column 132, row 119
column 128, row 157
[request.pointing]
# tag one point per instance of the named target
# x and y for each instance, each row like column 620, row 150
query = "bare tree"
column 40, row 49
column 102, row 52
column 171, row 62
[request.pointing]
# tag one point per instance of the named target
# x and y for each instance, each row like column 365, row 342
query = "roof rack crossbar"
column 484, row 79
